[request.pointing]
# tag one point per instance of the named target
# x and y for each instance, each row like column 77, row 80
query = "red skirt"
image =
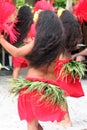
column 19, row 62
column 72, row 88
column 30, row 108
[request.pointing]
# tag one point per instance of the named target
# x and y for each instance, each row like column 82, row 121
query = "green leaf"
column 74, row 68
column 51, row 93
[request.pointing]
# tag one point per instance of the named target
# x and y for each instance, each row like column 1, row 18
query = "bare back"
column 43, row 72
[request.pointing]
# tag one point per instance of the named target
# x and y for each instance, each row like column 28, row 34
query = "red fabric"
column 30, row 108
column 72, row 88
column 42, row 5
column 11, row 1
column 7, row 9
column 19, row 62
column 43, row 80
column 51, row 2
column 80, row 10
column 32, row 32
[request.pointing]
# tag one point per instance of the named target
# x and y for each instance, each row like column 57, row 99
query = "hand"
column 74, row 56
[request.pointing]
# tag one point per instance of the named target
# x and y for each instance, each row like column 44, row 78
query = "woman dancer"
column 39, row 93
column 68, row 72
column 22, row 26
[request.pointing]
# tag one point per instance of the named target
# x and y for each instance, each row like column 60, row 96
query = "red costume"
column 42, row 5
column 32, row 32
column 7, row 8
column 80, row 10
column 19, row 62
column 30, row 106
column 71, row 87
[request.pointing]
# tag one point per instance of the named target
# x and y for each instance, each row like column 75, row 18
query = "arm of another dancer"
column 82, row 53
column 22, row 51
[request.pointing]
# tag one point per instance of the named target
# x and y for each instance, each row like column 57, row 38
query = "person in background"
column 81, row 53
column 67, row 70
column 38, row 7
column 80, row 10
column 40, row 98
column 22, row 26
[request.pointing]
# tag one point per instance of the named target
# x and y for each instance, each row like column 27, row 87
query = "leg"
column 40, row 127
column 34, row 125
column 15, row 72
column 66, row 121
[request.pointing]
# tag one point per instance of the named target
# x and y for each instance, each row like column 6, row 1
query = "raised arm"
column 22, row 51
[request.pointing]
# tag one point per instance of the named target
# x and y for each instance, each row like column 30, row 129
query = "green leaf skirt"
column 39, row 99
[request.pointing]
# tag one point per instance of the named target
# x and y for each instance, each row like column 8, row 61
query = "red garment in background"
column 80, row 10
column 19, row 62
column 32, row 32
column 42, row 5
column 72, row 88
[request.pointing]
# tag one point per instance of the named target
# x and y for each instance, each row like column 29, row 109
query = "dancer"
column 45, row 100
column 22, row 26
column 68, row 72
column 80, row 12
column 38, row 7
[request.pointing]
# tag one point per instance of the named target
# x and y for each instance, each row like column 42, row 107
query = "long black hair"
column 49, row 40
column 72, row 30
column 24, row 21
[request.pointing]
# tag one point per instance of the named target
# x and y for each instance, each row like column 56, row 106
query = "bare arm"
column 22, row 51
column 82, row 53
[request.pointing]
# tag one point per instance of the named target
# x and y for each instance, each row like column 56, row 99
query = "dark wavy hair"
column 49, row 40
column 72, row 30
column 25, row 19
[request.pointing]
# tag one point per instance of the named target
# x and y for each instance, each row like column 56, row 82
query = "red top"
column 72, row 88
column 42, row 5
column 32, row 32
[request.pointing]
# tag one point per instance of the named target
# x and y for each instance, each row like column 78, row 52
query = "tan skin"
column 82, row 53
column 16, row 51
column 15, row 72
column 80, row 56
column 42, row 72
